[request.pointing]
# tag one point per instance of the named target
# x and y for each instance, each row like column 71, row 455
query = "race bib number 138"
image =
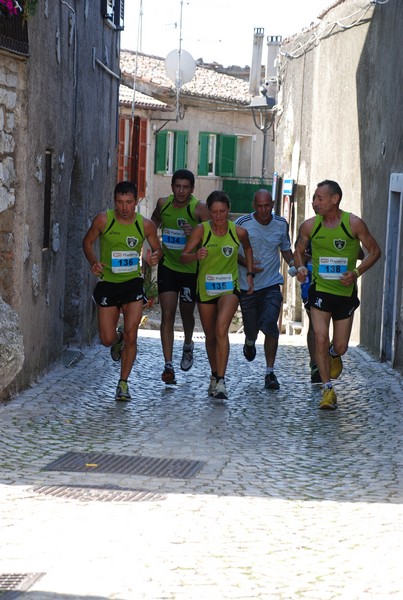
column 331, row 267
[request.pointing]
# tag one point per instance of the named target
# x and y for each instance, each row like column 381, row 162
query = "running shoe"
column 122, row 391
column 187, row 357
column 168, row 375
column 249, row 352
column 220, row 391
column 336, row 366
column 212, row 385
column 270, row 382
column 329, row 399
column 315, row 375
column 117, row 347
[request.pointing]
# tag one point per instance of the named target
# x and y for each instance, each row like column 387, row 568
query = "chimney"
column 273, row 46
column 256, row 68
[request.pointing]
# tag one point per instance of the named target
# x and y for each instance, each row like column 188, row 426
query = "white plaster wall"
column 339, row 103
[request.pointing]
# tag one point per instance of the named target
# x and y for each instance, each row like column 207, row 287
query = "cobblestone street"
column 288, row 502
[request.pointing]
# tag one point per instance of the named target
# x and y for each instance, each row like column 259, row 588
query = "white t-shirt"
column 266, row 242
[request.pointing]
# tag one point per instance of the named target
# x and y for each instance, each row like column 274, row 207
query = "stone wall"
column 341, row 84
column 58, row 142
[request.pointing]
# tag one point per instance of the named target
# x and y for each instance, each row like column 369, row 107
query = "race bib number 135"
column 218, row 284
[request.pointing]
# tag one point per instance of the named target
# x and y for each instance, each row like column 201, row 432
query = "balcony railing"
column 241, row 190
column 14, row 34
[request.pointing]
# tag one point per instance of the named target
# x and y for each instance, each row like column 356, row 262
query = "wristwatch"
column 251, row 273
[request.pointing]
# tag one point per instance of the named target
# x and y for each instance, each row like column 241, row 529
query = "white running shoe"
column 187, row 357
column 212, row 386
column 220, row 391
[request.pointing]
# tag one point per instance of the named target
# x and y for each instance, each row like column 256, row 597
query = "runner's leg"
column 132, row 313
column 108, row 317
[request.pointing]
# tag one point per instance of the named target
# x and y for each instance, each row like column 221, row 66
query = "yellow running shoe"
column 329, row 399
column 336, row 366
column 117, row 347
column 122, row 391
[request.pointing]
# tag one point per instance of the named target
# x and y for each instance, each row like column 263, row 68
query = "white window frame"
column 212, row 147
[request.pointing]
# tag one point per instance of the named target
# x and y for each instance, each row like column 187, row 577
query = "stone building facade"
column 210, row 131
column 58, row 143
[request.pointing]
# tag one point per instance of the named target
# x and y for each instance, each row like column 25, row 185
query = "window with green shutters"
column 203, row 163
column 180, row 150
column 161, row 152
column 170, row 151
column 226, row 155
column 217, row 154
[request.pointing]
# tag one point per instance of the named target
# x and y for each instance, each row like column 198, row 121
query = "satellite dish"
column 180, row 66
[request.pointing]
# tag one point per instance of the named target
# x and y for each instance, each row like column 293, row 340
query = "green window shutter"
column 204, row 139
column 226, row 155
column 180, row 152
column 161, row 152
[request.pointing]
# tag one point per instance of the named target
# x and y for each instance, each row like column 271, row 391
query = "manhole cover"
column 13, row 584
column 127, row 465
column 97, row 494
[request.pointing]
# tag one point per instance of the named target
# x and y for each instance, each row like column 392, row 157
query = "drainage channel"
column 14, row 584
column 84, row 493
column 148, row 466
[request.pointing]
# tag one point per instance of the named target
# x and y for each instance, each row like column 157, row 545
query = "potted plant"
column 150, row 286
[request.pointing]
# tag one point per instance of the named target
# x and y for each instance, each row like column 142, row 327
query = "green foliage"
column 29, row 7
column 150, row 283
column 25, row 7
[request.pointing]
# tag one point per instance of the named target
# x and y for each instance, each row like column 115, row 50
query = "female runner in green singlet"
column 214, row 244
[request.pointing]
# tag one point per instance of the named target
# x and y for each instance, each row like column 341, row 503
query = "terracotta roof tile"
column 207, row 83
column 141, row 100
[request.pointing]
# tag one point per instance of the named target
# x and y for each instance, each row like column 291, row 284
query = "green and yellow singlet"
column 217, row 274
column 334, row 251
column 120, row 248
column 173, row 236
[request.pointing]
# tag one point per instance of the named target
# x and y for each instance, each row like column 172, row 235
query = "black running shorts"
column 340, row 307
column 107, row 293
column 183, row 284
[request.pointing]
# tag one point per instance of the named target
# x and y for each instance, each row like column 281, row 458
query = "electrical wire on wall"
column 317, row 34
column 138, row 49
column 330, row 29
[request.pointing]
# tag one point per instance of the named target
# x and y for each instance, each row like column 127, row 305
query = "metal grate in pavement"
column 85, row 493
column 98, row 462
column 13, row 584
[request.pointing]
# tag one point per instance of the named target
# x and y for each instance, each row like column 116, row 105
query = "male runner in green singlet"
column 177, row 215
column 335, row 237
column 121, row 232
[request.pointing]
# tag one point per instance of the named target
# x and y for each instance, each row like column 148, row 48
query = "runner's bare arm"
column 202, row 213
column 156, row 216
column 300, row 247
column 373, row 251
column 151, row 234
column 243, row 236
column 191, row 250
column 93, row 233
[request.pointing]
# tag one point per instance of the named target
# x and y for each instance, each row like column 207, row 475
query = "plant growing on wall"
column 15, row 7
